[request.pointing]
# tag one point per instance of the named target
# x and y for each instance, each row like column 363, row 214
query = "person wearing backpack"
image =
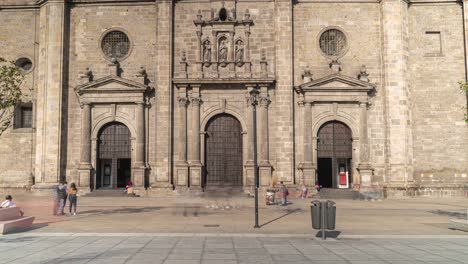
column 284, row 194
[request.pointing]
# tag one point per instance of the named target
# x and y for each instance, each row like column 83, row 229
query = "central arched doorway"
column 113, row 156
column 334, row 155
column 223, row 155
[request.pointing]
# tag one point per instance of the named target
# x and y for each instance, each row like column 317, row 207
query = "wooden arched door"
column 334, row 154
column 113, row 156
column 223, row 155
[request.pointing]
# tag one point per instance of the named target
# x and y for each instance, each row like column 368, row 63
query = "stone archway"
column 334, row 155
column 223, row 152
column 113, row 156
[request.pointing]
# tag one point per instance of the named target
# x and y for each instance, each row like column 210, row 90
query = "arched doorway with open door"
column 334, row 155
column 223, row 152
column 113, row 156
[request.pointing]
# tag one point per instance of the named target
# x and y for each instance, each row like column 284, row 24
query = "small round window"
column 333, row 43
column 115, row 44
column 24, row 64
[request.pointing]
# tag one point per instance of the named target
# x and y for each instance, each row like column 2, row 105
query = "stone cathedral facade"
column 359, row 95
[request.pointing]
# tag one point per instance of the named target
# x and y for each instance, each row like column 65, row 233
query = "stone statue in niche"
column 239, row 51
column 207, row 51
column 223, row 50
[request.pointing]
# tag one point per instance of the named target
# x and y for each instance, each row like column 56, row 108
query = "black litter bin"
column 316, row 214
column 331, row 215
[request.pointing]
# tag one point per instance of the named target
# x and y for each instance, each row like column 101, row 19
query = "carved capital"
column 195, row 100
column 264, row 100
column 251, row 99
column 183, row 101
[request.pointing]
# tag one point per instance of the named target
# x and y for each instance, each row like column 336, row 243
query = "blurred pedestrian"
column 9, row 203
column 283, row 193
column 304, row 192
column 72, row 198
column 62, row 196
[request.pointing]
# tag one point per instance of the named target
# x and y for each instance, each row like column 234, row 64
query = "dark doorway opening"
column 113, row 156
column 123, row 172
column 325, row 172
column 223, row 155
column 334, row 155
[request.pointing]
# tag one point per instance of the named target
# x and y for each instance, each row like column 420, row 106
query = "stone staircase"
column 328, row 193
column 106, row 193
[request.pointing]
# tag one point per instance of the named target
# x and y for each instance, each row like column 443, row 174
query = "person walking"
column 304, row 192
column 284, row 194
column 62, row 196
column 72, row 198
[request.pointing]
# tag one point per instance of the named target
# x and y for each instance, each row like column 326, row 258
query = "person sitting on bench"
column 9, row 203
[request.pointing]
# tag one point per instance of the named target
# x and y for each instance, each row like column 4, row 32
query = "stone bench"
column 459, row 224
column 10, row 220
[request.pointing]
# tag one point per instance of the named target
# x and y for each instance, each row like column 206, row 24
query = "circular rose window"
column 115, row 44
column 333, row 43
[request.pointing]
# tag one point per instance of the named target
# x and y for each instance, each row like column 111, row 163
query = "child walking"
column 72, row 198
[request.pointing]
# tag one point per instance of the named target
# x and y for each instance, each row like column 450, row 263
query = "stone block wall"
column 364, row 40
column 18, row 39
column 436, row 66
column 89, row 23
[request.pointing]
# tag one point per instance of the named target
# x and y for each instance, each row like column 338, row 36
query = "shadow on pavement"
column 289, row 211
column 123, row 210
column 329, row 234
column 459, row 215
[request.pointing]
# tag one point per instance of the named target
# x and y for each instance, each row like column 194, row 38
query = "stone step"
column 106, row 193
column 328, row 193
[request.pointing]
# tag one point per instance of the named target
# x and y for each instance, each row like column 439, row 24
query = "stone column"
column 194, row 154
column 52, row 42
column 395, row 84
column 251, row 102
column 181, row 177
column 263, row 157
column 365, row 169
column 160, row 130
column 84, row 169
column 307, row 167
column 248, row 65
column 232, row 64
column 139, row 164
column 282, row 132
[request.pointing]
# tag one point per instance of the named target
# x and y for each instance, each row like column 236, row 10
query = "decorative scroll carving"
column 195, row 100
column 183, row 101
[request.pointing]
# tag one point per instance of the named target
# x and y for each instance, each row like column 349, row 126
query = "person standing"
column 62, row 196
column 72, row 198
column 283, row 190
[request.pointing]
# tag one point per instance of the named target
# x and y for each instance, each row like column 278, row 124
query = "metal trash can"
column 330, row 215
column 316, row 214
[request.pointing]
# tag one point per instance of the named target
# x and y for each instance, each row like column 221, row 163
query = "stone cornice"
column 224, row 81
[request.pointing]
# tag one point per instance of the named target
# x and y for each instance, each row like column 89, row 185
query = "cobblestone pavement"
column 228, row 249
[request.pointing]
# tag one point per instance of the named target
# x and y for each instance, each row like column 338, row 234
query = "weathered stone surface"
column 408, row 134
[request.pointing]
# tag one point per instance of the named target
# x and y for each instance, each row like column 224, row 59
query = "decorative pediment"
column 336, row 88
column 113, row 89
column 111, row 84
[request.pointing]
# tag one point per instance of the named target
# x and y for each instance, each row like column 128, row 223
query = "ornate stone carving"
column 195, row 100
column 239, row 55
column 307, row 75
column 247, row 15
column 264, row 100
column 222, row 50
column 363, row 75
column 335, row 66
column 183, row 101
column 263, row 64
column 207, row 51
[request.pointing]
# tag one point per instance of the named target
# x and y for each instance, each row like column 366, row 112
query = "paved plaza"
column 215, row 249
column 219, row 230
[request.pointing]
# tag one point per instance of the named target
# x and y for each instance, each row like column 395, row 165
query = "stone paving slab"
column 118, row 248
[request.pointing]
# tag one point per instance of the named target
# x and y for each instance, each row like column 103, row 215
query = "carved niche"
column 223, row 44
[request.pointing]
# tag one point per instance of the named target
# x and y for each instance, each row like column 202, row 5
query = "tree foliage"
column 464, row 90
column 10, row 92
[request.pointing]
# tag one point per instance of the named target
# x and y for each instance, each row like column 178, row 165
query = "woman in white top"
column 9, row 203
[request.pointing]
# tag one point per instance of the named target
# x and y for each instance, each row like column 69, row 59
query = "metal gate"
column 114, row 153
column 335, row 143
column 223, row 152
